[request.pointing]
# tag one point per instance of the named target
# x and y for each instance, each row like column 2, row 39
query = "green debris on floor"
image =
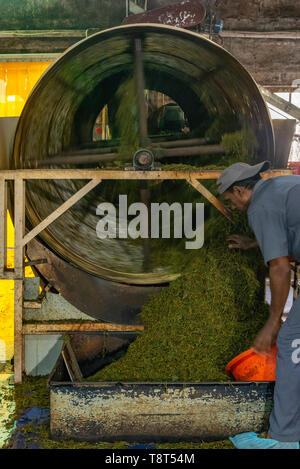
column 31, row 392
column 15, row 399
column 41, row 436
column 7, row 407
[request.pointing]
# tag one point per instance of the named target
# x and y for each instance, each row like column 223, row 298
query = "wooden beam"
column 3, row 226
column 262, row 34
column 210, row 197
column 60, row 210
column 39, row 57
column 62, row 328
column 36, row 262
column 22, row 33
column 118, row 174
column 19, row 360
column 19, row 224
column 71, row 363
column 280, row 103
column 9, row 274
column 32, row 304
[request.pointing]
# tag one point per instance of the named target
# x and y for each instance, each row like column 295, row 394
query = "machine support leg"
column 3, row 226
column 19, row 359
column 19, row 208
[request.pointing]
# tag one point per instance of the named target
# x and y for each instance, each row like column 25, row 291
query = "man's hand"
column 241, row 242
column 280, row 277
column 266, row 338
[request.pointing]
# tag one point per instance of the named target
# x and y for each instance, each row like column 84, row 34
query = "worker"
column 273, row 210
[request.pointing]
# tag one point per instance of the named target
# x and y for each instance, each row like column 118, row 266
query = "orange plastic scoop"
column 250, row 366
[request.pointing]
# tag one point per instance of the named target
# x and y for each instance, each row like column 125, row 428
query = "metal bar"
column 62, row 328
column 77, row 156
column 60, row 210
column 77, row 159
column 140, row 82
column 89, row 158
column 96, row 155
column 121, row 174
column 180, row 143
column 190, row 151
column 3, row 226
column 210, row 197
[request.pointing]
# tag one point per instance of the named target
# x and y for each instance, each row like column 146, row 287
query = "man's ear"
column 239, row 190
column 236, row 190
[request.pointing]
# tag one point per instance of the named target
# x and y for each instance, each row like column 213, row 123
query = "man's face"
column 240, row 198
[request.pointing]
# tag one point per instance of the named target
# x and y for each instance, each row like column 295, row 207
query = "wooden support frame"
column 71, row 363
column 66, row 328
column 210, row 197
column 60, row 210
column 3, row 225
column 280, row 103
column 19, row 178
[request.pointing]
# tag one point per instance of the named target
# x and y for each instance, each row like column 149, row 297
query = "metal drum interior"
column 206, row 82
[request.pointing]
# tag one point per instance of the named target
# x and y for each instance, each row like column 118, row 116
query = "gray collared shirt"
column 274, row 216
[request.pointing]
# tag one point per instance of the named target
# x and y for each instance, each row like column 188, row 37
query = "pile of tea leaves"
column 203, row 319
column 215, row 308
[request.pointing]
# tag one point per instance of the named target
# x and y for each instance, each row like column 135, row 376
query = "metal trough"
column 155, row 412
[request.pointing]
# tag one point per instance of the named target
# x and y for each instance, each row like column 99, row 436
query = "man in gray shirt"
column 273, row 209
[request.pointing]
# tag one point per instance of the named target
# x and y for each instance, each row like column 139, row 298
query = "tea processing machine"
column 55, row 131
column 110, row 279
column 69, row 155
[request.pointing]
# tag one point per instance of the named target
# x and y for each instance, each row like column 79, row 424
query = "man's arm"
column 280, row 278
column 241, row 242
column 280, row 283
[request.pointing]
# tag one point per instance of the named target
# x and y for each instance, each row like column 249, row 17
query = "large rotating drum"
column 110, row 279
